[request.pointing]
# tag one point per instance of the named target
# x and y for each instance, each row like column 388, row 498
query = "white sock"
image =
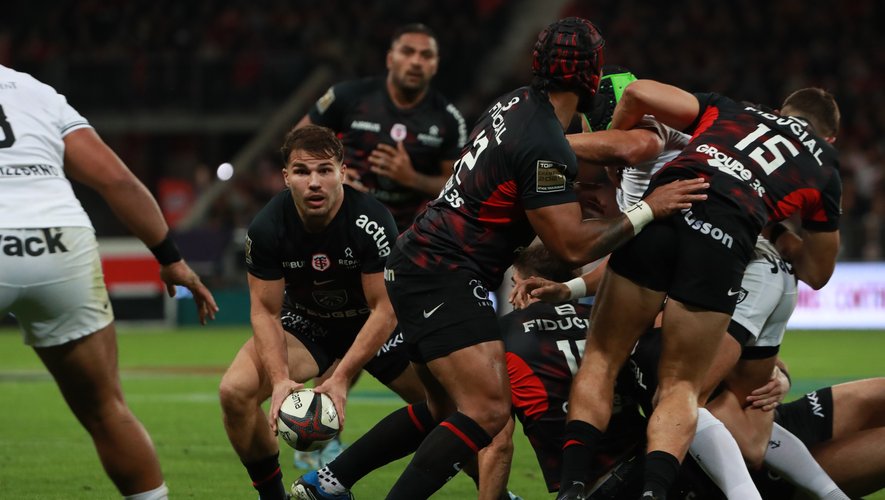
column 718, row 454
column 329, row 483
column 159, row 493
column 789, row 457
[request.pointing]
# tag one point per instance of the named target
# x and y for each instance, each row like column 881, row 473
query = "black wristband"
column 776, row 232
column 166, row 252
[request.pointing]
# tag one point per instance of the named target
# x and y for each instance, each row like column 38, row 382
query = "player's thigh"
column 622, row 312
column 391, row 367
column 86, row 370
column 858, row 405
column 690, row 339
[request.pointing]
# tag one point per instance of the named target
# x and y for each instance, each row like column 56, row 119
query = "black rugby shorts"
column 328, row 341
column 440, row 313
column 809, row 418
column 697, row 257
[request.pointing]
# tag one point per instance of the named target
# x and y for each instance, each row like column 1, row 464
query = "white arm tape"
column 577, row 288
column 639, row 215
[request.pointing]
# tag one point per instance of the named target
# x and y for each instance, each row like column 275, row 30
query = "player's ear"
column 390, row 58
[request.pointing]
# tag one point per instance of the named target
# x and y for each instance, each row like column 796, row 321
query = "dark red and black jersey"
column 774, row 165
column 517, row 159
column 322, row 271
column 363, row 115
column 544, row 344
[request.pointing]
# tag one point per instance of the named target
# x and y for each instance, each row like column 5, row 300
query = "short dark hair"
column 536, row 260
column 320, row 142
column 817, row 106
column 412, row 28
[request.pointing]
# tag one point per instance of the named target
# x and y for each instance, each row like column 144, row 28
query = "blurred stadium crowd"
column 211, row 60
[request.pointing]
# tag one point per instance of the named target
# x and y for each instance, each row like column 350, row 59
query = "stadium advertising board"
column 853, row 299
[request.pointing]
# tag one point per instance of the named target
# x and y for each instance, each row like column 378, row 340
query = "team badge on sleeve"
column 248, row 250
column 326, row 100
column 550, row 177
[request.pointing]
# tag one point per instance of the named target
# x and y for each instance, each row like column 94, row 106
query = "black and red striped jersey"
column 544, row 345
column 363, row 115
column 774, row 165
column 517, row 159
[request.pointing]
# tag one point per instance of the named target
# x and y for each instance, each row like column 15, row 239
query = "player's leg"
column 244, row 387
column 623, row 310
column 475, row 379
column 86, row 373
column 855, row 457
column 68, row 321
column 691, row 337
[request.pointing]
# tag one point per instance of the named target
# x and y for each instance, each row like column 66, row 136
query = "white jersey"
column 635, row 178
column 34, row 119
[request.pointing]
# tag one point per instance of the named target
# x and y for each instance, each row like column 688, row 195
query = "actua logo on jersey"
column 376, row 231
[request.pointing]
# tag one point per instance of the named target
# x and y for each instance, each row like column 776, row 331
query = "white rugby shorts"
column 51, row 281
column 770, row 295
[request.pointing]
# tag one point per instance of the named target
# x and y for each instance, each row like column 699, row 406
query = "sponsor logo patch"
column 550, row 177
column 326, row 100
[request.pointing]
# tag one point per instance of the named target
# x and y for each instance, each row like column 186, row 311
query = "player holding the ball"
column 315, row 255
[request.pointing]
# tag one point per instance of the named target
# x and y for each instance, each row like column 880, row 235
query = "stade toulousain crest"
column 320, row 261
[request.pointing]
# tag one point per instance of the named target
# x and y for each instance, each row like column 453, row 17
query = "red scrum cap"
column 568, row 54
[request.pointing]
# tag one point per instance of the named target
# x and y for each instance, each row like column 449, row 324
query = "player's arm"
column 266, row 303
column 395, row 163
column 90, row 161
column 812, row 254
column 371, row 337
column 578, row 241
column 670, row 105
column 617, row 147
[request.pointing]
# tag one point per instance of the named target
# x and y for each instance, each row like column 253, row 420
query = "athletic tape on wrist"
column 577, row 288
column 639, row 215
column 166, row 252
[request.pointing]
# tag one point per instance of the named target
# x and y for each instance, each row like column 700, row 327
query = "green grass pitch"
column 171, row 377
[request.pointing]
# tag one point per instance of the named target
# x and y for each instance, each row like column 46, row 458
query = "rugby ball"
column 307, row 420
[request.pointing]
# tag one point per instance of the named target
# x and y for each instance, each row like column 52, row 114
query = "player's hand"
column 353, row 180
column 770, row 395
column 281, row 391
column 336, row 387
column 393, row 162
column 678, row 195
column 179, row 273
column 534, row 289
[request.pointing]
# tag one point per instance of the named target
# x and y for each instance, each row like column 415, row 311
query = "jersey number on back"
column 573, row 350
column 771, row 144
column 468, row 159
column 7, row 138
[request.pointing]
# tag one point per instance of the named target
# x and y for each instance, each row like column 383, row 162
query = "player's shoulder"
column 363, row 207
column 271, row 215
column 18, row 80
column 360, row 87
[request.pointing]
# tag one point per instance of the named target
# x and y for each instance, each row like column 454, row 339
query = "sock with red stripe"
column 440, row 457
column 394, row 437
column 578, row 448
column 267, row 477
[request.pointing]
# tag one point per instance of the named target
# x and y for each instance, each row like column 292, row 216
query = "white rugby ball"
column 307, row 420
